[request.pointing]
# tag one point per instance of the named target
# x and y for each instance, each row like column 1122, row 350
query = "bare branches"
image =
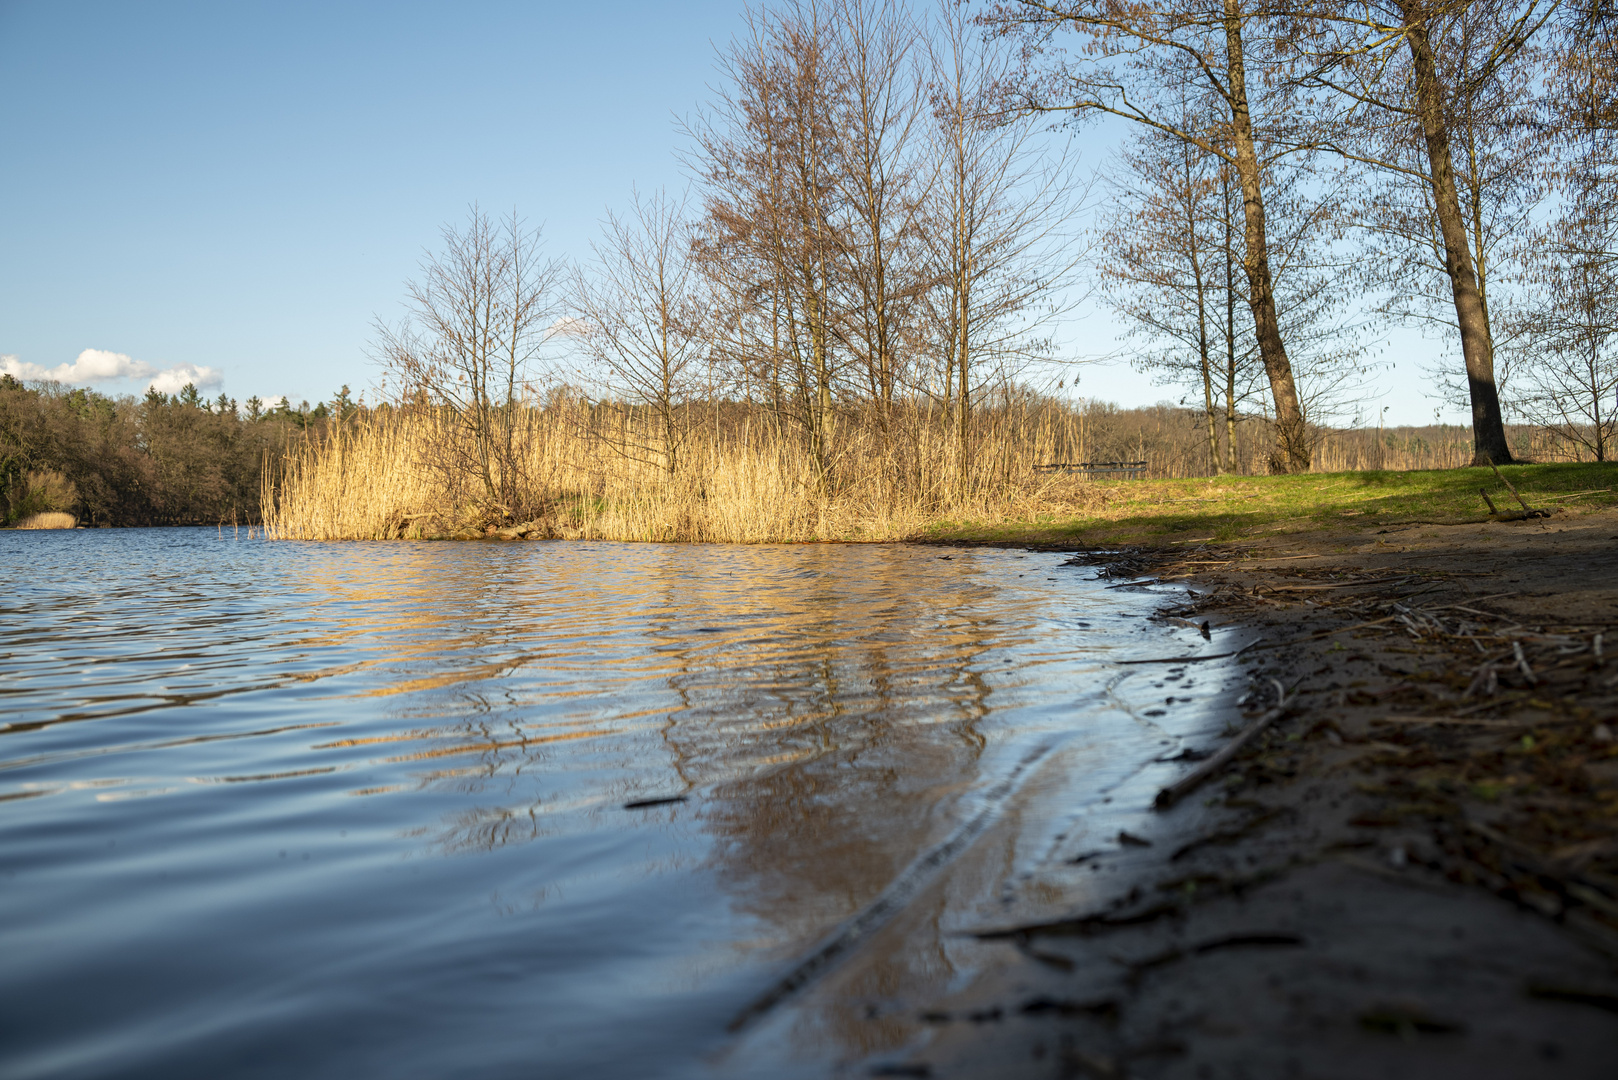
column 999, row 218
column 645, row 316
column 1142, row 62
column 476, row 321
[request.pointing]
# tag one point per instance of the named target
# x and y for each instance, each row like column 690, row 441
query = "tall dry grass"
column 742, row 478
column 50, row 519
column 594, row 473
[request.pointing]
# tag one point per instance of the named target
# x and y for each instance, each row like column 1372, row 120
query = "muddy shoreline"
column 1413, row 871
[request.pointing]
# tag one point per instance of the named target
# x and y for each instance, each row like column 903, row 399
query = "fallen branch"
column 1338, row 585
column 1192, row 780
column 1522, row 664
column 1191, row 659
column 1527, row 511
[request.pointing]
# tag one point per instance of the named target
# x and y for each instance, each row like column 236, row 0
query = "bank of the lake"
column 1412, row 873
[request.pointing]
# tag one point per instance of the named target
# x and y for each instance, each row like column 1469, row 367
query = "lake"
column 543, row 809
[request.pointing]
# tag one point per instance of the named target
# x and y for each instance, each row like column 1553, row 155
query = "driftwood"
column 1191, row 659
column 1194, row 779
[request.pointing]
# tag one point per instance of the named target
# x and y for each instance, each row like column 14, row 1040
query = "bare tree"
column 1570, row 374
column 645, row 317
column 1170, row 270
column 1138, row 61
column 1000, row 222
column 1159, row 269
column 1567, row 350
column 1421, row 71
column 475, row 323
column 878, row 124
column 765, row 156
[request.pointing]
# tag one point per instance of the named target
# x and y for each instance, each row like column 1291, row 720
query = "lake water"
column 273, row 809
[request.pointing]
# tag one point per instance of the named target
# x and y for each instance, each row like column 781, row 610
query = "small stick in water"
column 641, row 804
column 1192, row 780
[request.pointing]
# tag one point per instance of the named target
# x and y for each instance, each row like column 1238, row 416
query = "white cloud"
column 92, row 365
column 100, row 365
column 568, row 326
column 172, row 380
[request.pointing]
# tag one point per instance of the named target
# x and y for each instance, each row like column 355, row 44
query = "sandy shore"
column 1412, row 872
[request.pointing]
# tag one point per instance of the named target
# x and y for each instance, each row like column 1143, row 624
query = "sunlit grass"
column 1223, row 509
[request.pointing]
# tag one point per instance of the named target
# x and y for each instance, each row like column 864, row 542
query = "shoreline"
column 1412, row 872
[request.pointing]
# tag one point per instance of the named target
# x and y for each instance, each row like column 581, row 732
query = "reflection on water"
column 268, row 808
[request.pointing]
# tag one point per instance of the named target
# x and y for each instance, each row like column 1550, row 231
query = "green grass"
column 1225, row 509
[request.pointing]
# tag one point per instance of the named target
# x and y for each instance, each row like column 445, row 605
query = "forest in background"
column 164, row 459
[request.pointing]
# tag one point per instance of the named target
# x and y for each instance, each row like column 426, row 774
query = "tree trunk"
column 1230, row 335
column 1488, row 430
column 1204, row 360
column 1291, row 453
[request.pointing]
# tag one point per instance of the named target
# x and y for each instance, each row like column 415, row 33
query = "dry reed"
column 50, row 519
column 591, row 473
column 742, row 479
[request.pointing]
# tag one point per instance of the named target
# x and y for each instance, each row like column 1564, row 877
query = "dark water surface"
column 340, row 809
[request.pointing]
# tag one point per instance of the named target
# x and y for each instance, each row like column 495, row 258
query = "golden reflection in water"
column 824, row 705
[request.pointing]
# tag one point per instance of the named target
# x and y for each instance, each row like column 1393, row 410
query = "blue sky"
column 242, row 187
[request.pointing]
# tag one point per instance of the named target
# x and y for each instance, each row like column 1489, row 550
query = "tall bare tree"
column 1000, row 233
column 646, row 319
column 1160, row 263
column 1569, row 377
column 1136, row 61
column 1567, row 364
column 878, row 126
column 475, row 322
column 765, row 156
column 1427, row 68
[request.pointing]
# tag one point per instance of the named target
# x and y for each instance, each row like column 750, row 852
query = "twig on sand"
column 1191, row 659
column 1193, row 779
column 1527, row 511
column 1522, row 664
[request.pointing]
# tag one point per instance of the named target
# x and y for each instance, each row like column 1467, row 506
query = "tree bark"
column 1204, row 361
column 1477, row 348
column 1291, row 452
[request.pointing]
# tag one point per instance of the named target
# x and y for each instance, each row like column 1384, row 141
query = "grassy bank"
column 1225, row 509
column 583, row 472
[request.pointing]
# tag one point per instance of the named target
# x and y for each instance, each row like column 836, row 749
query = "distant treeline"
column 158, row 460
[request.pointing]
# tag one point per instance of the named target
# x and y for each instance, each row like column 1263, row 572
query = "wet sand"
column 1413, row 872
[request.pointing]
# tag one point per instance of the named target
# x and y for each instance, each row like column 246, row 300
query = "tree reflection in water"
column 823, row 706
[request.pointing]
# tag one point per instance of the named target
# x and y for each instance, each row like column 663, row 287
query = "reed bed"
column 587, row 472
column 50, row 519
column 741, row 478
